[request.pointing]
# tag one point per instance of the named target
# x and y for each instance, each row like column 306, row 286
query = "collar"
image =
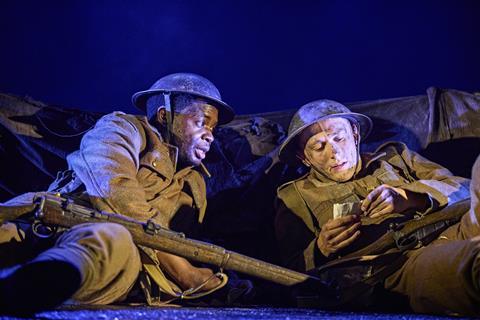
column 369, row 158
column 319, row 180
column 173, row 152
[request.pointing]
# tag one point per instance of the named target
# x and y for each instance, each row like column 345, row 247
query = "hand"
column 185, row 274
column 200, row 275
column 386, row 199
column 338, row 233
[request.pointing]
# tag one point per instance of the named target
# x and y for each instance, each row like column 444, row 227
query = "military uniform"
column 442, row 277
column 122, row 166
column 134, row 173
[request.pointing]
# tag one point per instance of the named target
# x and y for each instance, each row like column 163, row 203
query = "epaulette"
column 397, row 145
column 393, row 154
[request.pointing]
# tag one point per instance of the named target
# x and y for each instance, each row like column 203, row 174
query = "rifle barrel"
column 55, row 210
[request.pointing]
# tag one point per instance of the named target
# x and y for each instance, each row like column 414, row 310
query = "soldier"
column 141, row 167
column 390, row 185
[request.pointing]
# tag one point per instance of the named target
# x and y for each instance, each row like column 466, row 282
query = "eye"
column 200, row 123
column 338, row 138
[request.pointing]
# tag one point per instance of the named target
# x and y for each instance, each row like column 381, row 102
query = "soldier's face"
column 331, row 148
column 193, row 132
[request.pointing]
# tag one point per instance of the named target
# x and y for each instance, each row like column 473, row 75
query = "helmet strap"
column 169, row 116
column 357, row 145
column 154, row 104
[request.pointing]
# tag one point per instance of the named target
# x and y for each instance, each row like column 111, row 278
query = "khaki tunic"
column 442, row 277
column 126, row 168
column 123, row 166
column 304, row 205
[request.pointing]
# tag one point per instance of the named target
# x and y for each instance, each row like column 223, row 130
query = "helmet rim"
column 287, row 154
column 225, row 112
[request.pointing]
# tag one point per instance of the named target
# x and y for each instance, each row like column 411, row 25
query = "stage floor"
column 176, row 313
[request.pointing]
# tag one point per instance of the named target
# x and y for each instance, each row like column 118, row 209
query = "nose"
column 208, row 136
column 335, row 149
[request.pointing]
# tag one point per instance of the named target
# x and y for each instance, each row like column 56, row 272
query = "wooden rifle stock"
column 59, row 211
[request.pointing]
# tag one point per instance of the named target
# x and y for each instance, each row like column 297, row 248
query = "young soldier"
column 393, row 184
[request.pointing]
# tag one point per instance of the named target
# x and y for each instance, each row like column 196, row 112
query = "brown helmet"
column 186, row 83
column 313, row 112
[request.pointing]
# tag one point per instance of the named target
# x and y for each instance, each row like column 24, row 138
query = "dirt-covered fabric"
column 443, row 125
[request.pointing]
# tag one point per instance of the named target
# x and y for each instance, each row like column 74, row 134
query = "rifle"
column 356, row 275
column 55, row 210
column 414, row 232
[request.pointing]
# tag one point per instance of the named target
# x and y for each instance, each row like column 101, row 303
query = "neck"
column 359, row 165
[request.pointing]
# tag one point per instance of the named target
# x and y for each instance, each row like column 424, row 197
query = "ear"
column 304, row 160
column 306, row 163
column 162, row 115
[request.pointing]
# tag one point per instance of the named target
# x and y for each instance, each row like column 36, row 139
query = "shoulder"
column 291, row 187
column 121, row 119
column 117, row 129
column 394, row 147
column 291, row 207
column 398, row 155
column 394, row 152
column 289, row 195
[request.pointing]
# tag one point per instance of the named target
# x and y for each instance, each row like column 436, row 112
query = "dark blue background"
column 263, row 55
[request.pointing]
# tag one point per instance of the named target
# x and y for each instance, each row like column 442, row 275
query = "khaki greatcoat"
column 122, row 166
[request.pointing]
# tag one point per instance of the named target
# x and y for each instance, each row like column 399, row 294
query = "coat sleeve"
column 107, row 163
column 430, row 178
column 296, row 236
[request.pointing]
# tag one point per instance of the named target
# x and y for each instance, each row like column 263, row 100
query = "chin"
column 337, row 178
column 195, row 162
column 187, row 161
column 342, row 176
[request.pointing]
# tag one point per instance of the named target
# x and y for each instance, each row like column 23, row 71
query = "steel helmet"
column 186, row 83
column 313, row 112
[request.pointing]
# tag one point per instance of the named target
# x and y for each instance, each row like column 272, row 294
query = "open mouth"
column 200, row 153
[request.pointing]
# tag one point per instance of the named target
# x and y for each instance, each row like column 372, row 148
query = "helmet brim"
column 287, row 152
column 225, row 112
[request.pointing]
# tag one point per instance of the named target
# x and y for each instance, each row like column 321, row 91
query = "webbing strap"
column 193, row 293
column 168, row 287
column 161, row 280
